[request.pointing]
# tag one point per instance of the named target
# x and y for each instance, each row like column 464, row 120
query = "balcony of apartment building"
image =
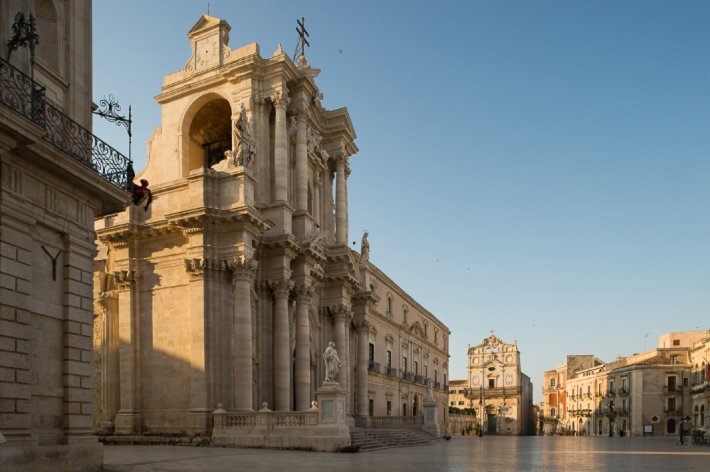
column 672, row 411
column 391, row 371
column 579, row 412
column 623, row 392
column 610, row 393
column 672, row 389
column 27, row 98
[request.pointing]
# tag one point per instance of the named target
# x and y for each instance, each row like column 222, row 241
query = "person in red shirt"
column 142, row 193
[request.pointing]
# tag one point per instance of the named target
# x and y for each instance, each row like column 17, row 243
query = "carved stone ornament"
column 280, row 99
column 281, row 287
column 195, row 267
column 243, row 268
column 313, row 140
column 125, row 279
column 279, row 50
column 304, row 293
column 340, row 312
column 244, row 140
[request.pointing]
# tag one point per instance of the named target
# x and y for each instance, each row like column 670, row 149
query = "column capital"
column 304, row 292
column 125, row 279
column 195, row 268
column 362, row 326
column 280, row 99
column 340, row 312
column 243, row 268
column 281, row 287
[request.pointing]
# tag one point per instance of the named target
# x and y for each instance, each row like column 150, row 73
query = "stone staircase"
column 370, row 439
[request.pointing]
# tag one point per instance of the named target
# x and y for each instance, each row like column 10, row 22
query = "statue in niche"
column 332, row 363
column 243, row 136
column 364, row 249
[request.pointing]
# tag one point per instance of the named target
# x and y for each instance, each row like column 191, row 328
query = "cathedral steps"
column 154, row 440
column 370, row 439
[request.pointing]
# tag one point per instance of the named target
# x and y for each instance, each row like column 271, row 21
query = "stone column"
column 341, row 221
column 303, row 349
column 301, row 162
column 282, row 339
column 128, row 418
column 341, row 316
column 262, row 149
column 243, row 272
column 363, row 330
column 280, row 101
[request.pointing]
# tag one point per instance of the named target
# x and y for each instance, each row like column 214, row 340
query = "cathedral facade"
column 226, row 290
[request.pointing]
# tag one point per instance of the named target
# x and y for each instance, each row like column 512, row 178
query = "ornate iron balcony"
column 27, row 97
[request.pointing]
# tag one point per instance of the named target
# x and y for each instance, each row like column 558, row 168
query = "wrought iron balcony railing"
column 373, row 366
column 27, row 97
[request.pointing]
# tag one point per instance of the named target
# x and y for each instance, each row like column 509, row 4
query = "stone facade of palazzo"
column 225, row 292
column 498, row 389
column 52, row 187
column 646, row 394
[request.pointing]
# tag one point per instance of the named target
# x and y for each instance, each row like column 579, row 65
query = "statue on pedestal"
column 332, row 363
column 244, row 139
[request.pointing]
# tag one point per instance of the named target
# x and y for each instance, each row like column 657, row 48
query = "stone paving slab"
column 458, row 454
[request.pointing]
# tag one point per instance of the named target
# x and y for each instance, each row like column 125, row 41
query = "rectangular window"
column 685, row 381
column 491, row 383
column 404, row 364
column 625, row 384
column 416, row 367
column 674, row 360
column 461, row 402
column 389, row 407
column 371, row 356
column 426, row 371
column 671, row 405
column 671, row 383
column 552, row 383
column 389, row 359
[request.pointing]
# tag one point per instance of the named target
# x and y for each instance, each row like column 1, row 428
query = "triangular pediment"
column 206, row 22
column 417, row 329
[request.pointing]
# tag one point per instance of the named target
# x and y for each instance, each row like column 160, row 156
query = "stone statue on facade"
column 244, row 140
column 332, row 363
column 429, row 391
column 364, row 249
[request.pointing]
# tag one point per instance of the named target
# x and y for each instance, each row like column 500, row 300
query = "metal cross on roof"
column 302, row 41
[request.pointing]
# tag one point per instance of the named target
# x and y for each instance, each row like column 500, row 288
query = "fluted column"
column 301, row 162
column 363, row 329
column 280, row 101
column 243, row 272
column 282, row 339
column 303, row 348
column 341, row 230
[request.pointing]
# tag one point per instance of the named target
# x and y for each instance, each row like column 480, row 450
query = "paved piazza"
column 459, row 454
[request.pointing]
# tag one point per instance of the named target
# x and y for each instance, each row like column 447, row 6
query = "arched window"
column 209, row 134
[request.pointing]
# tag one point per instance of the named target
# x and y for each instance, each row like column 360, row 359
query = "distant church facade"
column 224, row 293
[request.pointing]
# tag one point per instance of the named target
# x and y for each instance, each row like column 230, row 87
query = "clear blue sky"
column 536, row 168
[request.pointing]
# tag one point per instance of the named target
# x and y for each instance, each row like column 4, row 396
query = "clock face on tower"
column 206, row 53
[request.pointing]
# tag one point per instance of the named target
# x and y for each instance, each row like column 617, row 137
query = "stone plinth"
column 431, row 417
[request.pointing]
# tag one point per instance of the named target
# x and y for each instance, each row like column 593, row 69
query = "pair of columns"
column 281, row 102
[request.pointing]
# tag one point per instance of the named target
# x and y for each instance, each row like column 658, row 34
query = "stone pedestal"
column 431, row 417
column 332, row 431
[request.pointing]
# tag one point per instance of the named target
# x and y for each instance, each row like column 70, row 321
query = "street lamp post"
column 480, row 408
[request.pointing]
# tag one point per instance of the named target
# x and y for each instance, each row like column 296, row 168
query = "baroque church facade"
column 225, row 292
column 497, row 389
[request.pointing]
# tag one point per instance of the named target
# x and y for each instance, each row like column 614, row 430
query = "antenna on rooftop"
column 302, row 42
